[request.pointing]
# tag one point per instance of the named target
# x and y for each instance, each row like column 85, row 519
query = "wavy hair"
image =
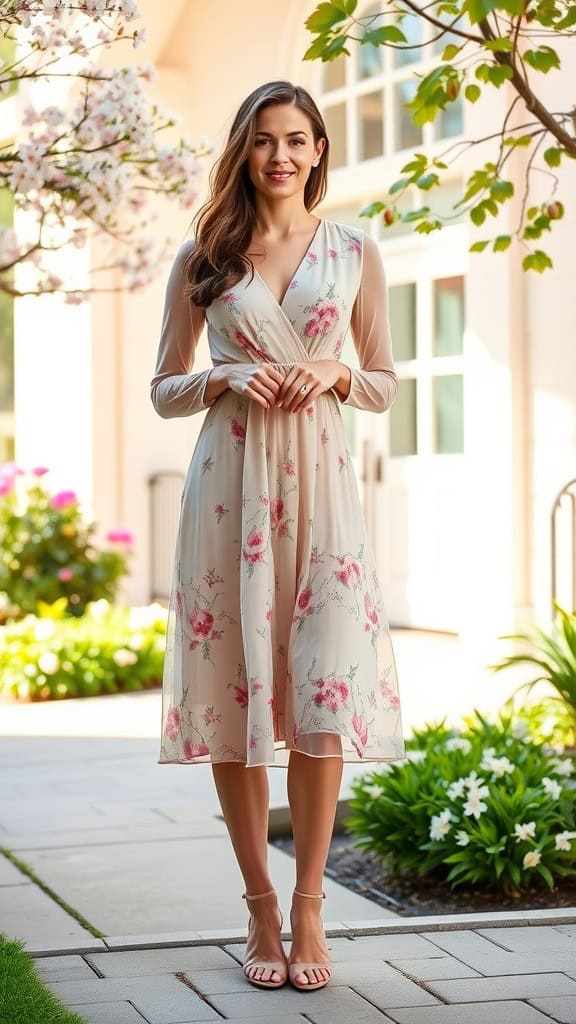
column 224, row 224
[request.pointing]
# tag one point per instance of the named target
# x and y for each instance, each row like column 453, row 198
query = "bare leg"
column 313, row 788
column 244, row 798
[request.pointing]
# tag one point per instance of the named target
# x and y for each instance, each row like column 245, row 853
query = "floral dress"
column 277, row 636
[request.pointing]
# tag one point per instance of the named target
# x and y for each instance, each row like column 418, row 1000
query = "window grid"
column 386, row 80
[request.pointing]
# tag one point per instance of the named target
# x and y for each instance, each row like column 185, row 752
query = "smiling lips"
column 279, row 175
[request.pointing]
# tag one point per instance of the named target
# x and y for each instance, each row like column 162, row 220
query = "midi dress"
column 277, row 636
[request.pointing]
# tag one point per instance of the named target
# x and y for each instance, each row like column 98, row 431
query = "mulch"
column 409, row 896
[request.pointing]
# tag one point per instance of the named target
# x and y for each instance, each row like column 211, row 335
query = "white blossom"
column 462, row 838
column 416, row 755
column 124, row 657
column 551, row 787
column 563, row 840
column 458, row 743
column 49, row 663
column 562, row 765
column 531, row 859
column 374, row 791
column 525, row 831
column 498, row 766
column 474, row 806
column 440, row 824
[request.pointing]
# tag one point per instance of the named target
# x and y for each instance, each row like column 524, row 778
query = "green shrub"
column 46, row 549
column 485, row 805
column 552, row 654
column 109, row 649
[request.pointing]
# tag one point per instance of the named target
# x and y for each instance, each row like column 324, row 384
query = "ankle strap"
column 260, row 896
column 311, row 896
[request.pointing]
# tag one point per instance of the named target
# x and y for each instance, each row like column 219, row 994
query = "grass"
column 24, row 999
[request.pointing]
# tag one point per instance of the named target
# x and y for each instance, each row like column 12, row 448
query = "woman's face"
column 283, row 151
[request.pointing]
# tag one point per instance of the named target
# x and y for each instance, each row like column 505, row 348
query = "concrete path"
column 488, row 969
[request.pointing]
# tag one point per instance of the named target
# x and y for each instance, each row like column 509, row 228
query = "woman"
column 278, row 650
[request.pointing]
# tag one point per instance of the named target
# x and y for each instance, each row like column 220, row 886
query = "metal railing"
column 563, row 547
column 165, row 491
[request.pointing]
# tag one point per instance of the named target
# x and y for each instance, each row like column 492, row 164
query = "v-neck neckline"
column 296, row 272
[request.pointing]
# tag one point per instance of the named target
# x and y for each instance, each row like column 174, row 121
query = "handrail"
column 567, row 491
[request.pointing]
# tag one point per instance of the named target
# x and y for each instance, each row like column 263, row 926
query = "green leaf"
column 499, row 73
column 538, row 261
column 325, row 17
column 517, row 140
column 372, row 209
column 335, row 48
column 450, row 51
column 501, row 45
column 501, row 243
column 478, row 10
column 478, row 215
column 472, row 93
column 427, row 181
column 414, row 215
column 398, row 185
column 346, row 6
column 479, row 246
column 384, row 34
column 542, row 59
column 553, row 156
column 316, row 49
column 501, row 189
column 426, row 226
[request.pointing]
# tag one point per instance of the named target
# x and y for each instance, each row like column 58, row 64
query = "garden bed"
column 409, row 896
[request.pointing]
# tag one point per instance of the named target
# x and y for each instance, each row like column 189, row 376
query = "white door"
column 414, row 464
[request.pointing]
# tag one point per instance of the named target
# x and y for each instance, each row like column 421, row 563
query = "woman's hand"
column 319, row 376
column 258, row 381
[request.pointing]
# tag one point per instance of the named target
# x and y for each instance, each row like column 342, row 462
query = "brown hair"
column 224, row 223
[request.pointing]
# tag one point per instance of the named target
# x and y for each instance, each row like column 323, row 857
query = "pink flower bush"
column 120, row 536
column 63, row 498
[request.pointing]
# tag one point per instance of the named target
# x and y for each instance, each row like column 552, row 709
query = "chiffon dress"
column 277, row 637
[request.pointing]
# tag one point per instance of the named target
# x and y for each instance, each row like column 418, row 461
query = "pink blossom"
column 63, row 498
column 255, row 538
column 5, row 485
column 65, row 574
column 194, row 749
column 288, row 467
column 241, row 696
column 201, row 622
column 249, row 346
column 9, row 470
column 178, row 601
column 325, row 316
column 120, row 536
column 40, row 470
column 252, row 742
column 276, row 511
column 172, row 726
column 229, row 297
column 370, row 610
column 360, row 728
column 237, row 429
column 332, row 254
column 304, row 598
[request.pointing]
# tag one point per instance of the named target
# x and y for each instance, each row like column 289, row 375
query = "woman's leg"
column 244, row 798
column 313, row 788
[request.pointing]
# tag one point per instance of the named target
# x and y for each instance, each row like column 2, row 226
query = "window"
column 368, row 91
column 427, row 322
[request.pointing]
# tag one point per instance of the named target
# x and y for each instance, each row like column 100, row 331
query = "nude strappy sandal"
column 300, row 968
column 273, row 965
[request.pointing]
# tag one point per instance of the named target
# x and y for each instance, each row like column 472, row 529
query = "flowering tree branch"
column 93, row 166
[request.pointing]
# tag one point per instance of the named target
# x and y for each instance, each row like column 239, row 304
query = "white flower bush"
column 488, row 804
column 93, row 163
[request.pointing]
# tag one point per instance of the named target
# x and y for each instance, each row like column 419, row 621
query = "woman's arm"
column 374, row 386
column 174, row 390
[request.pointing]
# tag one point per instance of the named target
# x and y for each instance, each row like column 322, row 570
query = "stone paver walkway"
column 423, row 971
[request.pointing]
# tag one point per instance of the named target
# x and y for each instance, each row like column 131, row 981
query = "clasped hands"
column 271, row 388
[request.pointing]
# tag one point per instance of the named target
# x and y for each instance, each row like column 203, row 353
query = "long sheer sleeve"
column 375, row 384
column 174, row 390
